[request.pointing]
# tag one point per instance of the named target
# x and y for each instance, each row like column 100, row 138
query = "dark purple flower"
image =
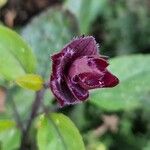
column 77, row 69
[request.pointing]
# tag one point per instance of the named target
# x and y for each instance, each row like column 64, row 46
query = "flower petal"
column 78, row 92
column 60, row 61
column 109, row 80
column 87, row 64
column 83, row 46
column 62, row 92
column 65, row 95
column 92, row 73
column 90, row 80
column 78, row 68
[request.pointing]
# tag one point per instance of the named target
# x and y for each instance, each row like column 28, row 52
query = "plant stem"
column 35, row 107
column 17, row 116
column 13, row 105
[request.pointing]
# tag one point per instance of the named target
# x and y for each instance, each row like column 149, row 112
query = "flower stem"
column 35, row 107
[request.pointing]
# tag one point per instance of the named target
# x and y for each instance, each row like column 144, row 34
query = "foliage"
column 2, row 3
column 123, row 26
column 127, row 95
column 85, row 12
column 8, row 127
column 31, row 81
column 16, row 57
column 56, row 27
column 60, row 130
column 115, row 118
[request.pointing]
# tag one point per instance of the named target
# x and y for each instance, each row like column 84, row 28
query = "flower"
column 77, row 69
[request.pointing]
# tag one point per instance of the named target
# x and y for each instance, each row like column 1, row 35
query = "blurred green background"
column 112, row 119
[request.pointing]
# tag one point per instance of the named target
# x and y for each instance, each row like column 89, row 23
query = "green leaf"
column 2, row 3
column 133, row 90
column 56, row 131
column 9, row 135
column 23, row 100
column 16, row 57
column 6, row 124
column 147, row 146
column 2, row 82
column 52, row 30
column 85, row 11
column 31, row 81
column 96, row 145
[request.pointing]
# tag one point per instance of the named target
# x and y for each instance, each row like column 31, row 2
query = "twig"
column 14, row 109
column 16, row 115
column 35, row 107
